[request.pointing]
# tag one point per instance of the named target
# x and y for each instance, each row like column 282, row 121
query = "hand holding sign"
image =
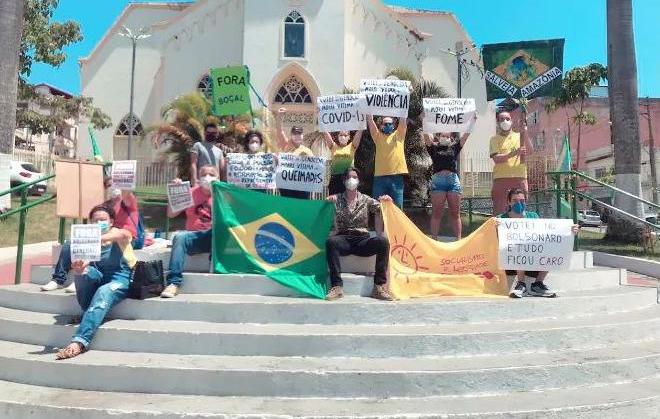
column 123, row 174
column 179, row 196
column 449, row 115
column 341, row 113
column 386, row 97
column 86, row 242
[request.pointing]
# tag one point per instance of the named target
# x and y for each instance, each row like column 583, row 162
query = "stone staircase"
column 242, row 346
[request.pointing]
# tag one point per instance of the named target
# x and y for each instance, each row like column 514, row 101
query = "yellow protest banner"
column 421, row 267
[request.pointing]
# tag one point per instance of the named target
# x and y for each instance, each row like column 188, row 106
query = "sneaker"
column 539, row 289
column 170, row 291
column 335, row 293
column 519, row 291
column 51, row 286
column 71, row 289
column 380, row 292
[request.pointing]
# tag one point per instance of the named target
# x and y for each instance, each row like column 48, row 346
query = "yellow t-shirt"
column 512, row 168
column 390, row 156
column 301, row 150
column 342, row 159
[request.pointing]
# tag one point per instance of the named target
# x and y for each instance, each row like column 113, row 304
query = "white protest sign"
column 251, row 171
column 179, row 196
column 86, row 242
column 341, row 113
column 301, row 173
column 449, row 115
column 123, row 174
column 535, row 244
column 386, row 97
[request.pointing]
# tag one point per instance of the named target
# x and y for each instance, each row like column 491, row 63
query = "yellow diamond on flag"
column 273, row 242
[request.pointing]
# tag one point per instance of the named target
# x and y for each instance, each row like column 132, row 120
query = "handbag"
column 147, row 280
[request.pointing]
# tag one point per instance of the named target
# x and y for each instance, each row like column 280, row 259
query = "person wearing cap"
column 292, row 144
column 390, row 157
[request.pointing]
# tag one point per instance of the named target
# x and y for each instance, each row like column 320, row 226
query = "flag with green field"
column 564, row 164
column 282, row 238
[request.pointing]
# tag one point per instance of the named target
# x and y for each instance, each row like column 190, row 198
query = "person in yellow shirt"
column 508, row 150
column 390, row 157
column 343, row 155
column 292, row 144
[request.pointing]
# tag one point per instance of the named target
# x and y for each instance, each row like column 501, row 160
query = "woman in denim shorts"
column 444, row 150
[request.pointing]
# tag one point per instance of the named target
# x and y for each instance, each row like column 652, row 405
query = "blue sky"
column 581, row 22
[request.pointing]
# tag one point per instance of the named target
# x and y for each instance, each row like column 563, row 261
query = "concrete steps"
column 239, row 346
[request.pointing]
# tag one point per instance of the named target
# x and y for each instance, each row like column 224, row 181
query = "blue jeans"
column 97, row 294
column 391, row 185
column 63, row 265
column 184, row 244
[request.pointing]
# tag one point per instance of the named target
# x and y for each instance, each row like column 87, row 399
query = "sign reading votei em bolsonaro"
column 523, row 69
column 231, row 90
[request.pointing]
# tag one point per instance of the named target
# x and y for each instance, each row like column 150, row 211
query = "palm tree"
column 624, row 105
column 11, row 29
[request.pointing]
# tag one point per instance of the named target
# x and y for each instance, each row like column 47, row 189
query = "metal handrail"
column 23, row 186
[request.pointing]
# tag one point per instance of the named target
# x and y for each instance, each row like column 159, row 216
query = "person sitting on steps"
column 101, row 285
column 517, row 209
column 352, row 236
column 197, row 237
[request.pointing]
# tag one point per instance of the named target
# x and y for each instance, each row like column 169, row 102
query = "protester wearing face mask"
column 517, row 208
column 292, row 144
column 508, row 152
column 206, row 152
column 390, row 157
column 352, row 236
column 343, row 154
column 197, row 237
column 254, row 141
column 101, row 285
column 445, row 183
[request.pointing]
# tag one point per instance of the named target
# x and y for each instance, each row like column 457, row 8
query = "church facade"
column 296, row 50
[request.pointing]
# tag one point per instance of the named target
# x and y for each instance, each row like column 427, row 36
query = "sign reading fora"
column 523, row 69
column 231, row 90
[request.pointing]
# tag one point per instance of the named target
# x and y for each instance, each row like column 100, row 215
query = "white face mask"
column 351, row 184
column 342, row 139
column 444, row 141
column 115, row 193
column 506, row 125
column 205, row 182
column 254, row 147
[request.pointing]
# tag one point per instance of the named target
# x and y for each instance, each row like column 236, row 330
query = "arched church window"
column 294, row 35
column 293, row 91
column 124, row 127
column 204, row 86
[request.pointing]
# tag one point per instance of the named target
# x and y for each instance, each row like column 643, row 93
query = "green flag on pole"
column 523, row 69
column 282, row 238
column 231, row 91
column 95, row 146
column 564, row 164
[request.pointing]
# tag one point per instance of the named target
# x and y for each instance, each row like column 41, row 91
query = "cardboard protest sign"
column 386, row 97
column 231, row 90
column 179, row 196
column 523, row 69
column 449, row 115
column 123, row 174
column 86, row 242
column 251, row 171
column 300, row 173
column 341, row 113
column 535, row 244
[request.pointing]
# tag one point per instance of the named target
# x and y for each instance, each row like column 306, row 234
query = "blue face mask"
column 518, row 207
column 388, row 128
column 105, row 226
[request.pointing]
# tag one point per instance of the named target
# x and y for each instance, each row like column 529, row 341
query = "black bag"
column 148, row 280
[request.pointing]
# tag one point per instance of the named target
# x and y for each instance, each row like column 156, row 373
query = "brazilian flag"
column 282, row 238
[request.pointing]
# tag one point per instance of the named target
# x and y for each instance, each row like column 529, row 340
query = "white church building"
column 296, row 50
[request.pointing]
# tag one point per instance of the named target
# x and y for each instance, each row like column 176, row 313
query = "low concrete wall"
column 642, row 266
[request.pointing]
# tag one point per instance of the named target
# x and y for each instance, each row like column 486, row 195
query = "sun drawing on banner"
column 409, row 262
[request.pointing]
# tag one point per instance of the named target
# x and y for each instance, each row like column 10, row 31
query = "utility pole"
column 134, row 37
column 654, row 177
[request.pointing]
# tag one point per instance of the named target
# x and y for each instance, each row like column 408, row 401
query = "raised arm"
column 357, row 139
column 282, row 140
column 329, row 141
column 428, row 139
column 371, row 124
column 402, row 129
column 193, row 168
column 466, row 135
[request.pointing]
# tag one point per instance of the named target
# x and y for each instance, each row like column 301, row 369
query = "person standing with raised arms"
column 390, row 165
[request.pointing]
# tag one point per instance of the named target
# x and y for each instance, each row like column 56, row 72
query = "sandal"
column 71, row 351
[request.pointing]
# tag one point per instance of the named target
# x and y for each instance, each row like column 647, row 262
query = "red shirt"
column 127, row 220
column 198, row 217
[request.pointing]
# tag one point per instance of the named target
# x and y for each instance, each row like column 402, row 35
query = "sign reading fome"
column 535, row 244
column 341, row 113
column 449, row 115
column 231, row 90
column 386, row 97
column 300, row 173
column 86, row 242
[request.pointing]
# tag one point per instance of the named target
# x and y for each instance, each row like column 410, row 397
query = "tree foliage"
column 44, row 41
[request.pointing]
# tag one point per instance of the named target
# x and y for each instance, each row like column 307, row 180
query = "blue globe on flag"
column 274, row 243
